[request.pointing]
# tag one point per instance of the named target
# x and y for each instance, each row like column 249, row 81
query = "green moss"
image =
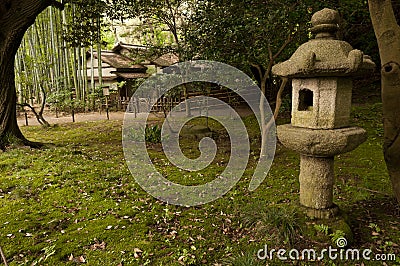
column 78, row 192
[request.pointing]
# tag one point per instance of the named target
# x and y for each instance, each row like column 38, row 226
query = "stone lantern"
column 321, row 71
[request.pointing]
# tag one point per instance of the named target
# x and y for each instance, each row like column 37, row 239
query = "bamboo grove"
column 51, row 63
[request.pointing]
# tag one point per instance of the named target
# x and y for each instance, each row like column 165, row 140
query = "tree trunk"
column 387, row 32
column 9, row 130
column 15, row 18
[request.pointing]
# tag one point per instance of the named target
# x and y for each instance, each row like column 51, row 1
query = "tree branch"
column 277, row 105
column 3, row 256
column 30, row 107
column 286, row 43
column 279, row 97
column 258, row 69
column 43, row 100
column 39, row 116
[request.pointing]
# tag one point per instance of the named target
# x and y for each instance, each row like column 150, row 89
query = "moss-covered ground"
column 75, row 202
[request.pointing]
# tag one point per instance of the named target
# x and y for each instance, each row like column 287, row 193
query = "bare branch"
column 29, row 106
column 279, row 97
column 258, row 69
column 43, row 100
column 282, row 48
column 271, row 57
column 3, row 257
column 39, row 116
column 277, row 105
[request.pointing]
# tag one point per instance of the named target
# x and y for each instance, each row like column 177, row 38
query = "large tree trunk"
column 9, row 130
column 16, row 16
column 387, row 32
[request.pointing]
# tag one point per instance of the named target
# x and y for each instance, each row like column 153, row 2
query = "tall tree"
column 387, row 32
column 251, row 35
column 159, row 17
column 16, row 16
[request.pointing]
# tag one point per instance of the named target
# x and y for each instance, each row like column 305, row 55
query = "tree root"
column 8, row 141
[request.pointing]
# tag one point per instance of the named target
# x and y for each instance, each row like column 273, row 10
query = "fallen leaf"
column 97, row 246
column 137, row 252
column 79, row 259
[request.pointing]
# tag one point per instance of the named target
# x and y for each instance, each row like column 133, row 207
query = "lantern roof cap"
column 325, row 55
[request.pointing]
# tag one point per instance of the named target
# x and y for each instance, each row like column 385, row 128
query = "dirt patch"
column 80, row 117
column 93, row 116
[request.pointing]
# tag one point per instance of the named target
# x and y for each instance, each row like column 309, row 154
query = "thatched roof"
column 164, row 60
column 120, row 62
column 115, row 65
column 131, row 75
column 131, row 47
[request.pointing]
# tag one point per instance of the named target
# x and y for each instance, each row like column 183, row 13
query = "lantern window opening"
column 306, row 100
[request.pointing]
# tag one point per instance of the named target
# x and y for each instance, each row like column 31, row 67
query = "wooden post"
column 108, row 117
column 26, row 119
column 106, row 93
column 137, row 110
column 73, row 97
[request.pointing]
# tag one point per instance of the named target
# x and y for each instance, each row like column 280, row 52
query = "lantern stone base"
column 317, row 149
